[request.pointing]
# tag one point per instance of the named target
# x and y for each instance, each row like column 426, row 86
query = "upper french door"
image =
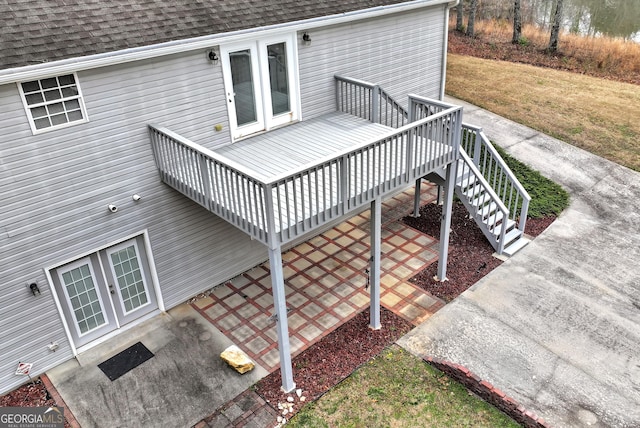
column 260, row 84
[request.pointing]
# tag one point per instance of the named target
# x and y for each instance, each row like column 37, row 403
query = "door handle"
column 111, row 290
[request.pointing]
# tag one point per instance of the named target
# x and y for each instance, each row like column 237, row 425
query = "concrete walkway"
column 557, row 327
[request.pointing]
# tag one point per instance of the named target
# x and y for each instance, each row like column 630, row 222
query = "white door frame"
column 155, row 283
column 261, row 84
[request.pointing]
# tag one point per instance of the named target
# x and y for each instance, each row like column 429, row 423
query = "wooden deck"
column 302, row 144
column 281, row 185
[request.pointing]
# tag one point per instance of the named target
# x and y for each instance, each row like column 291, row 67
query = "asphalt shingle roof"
column 36, row 31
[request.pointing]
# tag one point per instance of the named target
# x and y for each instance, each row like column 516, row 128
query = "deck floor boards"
column 303, row 143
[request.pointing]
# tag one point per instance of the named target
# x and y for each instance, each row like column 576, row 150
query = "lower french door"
column 105, row 290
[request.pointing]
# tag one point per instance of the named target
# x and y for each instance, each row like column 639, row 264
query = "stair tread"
column 485, row 211
column 516, row 246
column 475, row 191
column 511, row 235
column 494, row 217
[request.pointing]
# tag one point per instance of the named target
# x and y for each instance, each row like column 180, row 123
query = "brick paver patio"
column 326, row 284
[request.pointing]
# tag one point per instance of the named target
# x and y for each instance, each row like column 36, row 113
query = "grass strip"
column 398, row 389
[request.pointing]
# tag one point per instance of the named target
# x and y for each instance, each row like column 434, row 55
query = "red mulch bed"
column 28, row 395
column 323, row 365
column 470, row 254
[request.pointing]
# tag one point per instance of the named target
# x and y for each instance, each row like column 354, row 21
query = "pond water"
column 616, row 18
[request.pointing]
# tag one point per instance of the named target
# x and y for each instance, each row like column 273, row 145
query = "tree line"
column 472, row 7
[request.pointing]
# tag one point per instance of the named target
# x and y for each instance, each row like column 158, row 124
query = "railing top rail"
column 359, row 146
column 494, row 196
column 354, row 81
column 472, row 127
column 431, row 101
column 217, row 157
column 503, row 164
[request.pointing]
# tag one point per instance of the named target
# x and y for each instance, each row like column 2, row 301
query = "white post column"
column 279, row 297
column 416, row 198
column 375, row 226
column 282, row 324
column 445, row 223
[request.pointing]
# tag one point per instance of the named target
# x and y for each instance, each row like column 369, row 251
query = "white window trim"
column 258, row 49
column 27, row 107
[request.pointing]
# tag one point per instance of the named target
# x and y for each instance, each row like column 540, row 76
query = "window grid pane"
column 53, row 101
column 84, row 299
column 129, row 277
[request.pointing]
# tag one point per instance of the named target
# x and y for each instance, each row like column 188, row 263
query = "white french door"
column 105, row 290
column 261, row 84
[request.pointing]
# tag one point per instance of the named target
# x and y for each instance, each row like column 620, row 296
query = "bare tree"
column 555, row 29
column 517, row 22
column 472, row 18
column 459, row 17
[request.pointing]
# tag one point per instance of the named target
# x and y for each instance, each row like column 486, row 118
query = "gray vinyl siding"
column 402, row 53
column 56, row 187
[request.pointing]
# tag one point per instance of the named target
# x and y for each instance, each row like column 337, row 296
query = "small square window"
column 53, row 102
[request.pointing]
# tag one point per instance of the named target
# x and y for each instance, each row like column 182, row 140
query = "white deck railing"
column 282, row 208
column 497, row 173
column 368, row 101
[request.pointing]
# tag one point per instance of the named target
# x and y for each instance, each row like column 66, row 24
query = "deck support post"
column 282, row 324
column 374, row 268
column 445, row 224
column 416, row 198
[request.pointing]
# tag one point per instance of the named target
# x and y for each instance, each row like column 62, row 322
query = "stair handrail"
column 368, row 101
column 467, row 162
column 419, row 109
column 497, row 173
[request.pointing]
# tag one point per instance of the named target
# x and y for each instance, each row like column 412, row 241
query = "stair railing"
column 494, row 169
column 368, row 101
column 470, row 171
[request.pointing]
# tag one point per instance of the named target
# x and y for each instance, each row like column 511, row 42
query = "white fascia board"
column 56, row 68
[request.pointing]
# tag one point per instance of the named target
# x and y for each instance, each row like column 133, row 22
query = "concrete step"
column 511, row 235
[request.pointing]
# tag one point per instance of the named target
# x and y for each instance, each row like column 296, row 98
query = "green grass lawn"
column 598, row 115
column 396, row 389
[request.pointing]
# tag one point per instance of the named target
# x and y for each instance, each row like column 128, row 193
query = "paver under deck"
column 326, row 284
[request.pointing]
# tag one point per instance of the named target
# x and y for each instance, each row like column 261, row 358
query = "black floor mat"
column 126, row 360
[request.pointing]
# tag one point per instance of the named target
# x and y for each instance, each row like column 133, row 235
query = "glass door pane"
column 86, row 306
column 129, row 278
column 243, row 87
column 278, row 78
column 127, row 271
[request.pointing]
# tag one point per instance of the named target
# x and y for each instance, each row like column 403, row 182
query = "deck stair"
column 489, row 191
column 487, row 187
